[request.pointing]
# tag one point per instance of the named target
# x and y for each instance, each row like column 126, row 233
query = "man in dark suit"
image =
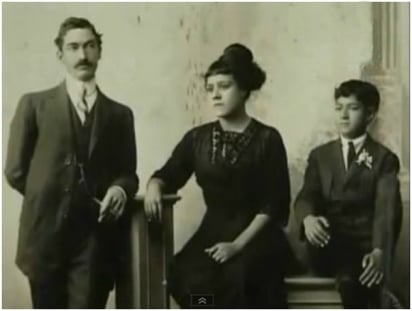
column 72, row 155
column 349, row 207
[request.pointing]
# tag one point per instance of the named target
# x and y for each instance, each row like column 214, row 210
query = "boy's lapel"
column 337, row 162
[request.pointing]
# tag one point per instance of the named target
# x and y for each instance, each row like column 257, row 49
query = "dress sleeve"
column 276, row 183
column 179, row 167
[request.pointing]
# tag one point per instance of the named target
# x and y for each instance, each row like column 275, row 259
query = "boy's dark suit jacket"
column 41, row 165
column 363, row 205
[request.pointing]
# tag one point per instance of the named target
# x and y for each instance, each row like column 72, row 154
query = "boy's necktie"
column 351, row 153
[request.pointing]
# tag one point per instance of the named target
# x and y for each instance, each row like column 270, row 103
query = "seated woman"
column 237, row 255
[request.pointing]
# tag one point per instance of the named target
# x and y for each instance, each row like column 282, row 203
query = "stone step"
column 308, row 292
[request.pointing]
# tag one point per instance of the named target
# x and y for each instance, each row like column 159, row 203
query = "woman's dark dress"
column 241, row 175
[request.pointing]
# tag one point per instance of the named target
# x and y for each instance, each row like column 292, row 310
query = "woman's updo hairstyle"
column 237, row 60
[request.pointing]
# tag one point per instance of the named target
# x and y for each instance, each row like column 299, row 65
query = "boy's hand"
column 372, row 265
column 315, row 230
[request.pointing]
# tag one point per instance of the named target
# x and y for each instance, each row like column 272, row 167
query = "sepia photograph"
column 212, row 155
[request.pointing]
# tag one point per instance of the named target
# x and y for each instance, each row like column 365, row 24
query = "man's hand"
column 222, row 252
column 316, row 230
column 372, row 265
column 113, row 204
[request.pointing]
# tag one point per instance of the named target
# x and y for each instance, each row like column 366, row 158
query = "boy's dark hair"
column 73, row 23
column 365, row 92
column 237, row 60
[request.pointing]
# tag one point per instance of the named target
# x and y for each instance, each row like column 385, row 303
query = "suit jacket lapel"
column 100, row 120
column 61, row 112
column 338, row 163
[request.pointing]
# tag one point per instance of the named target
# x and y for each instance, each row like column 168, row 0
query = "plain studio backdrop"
column 152, row 60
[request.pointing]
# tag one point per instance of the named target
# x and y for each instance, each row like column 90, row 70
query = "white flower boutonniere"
column 365, row 158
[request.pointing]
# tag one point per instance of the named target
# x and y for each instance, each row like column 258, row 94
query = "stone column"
column 389, row 70
column 384, row 70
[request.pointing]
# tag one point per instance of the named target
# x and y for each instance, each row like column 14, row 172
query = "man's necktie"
column 351, row 153
column 83, row 106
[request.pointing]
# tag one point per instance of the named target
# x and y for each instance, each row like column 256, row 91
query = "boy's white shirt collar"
column 358, row 142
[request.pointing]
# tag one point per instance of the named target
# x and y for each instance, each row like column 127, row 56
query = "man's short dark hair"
column 365, row 92
column 74, row 23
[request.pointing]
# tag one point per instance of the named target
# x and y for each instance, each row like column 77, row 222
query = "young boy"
column 349, row 207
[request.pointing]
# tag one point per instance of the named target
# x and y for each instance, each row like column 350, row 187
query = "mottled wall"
column 153, row 57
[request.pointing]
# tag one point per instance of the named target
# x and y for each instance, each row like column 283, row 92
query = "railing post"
column 151, row 246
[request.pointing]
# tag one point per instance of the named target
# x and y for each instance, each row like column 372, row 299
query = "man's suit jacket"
column 42, row 165
column 362, row 204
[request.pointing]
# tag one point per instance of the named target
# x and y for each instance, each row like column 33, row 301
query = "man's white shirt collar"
column 75, row 89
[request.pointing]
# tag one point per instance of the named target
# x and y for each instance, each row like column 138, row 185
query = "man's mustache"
column 83, row 63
